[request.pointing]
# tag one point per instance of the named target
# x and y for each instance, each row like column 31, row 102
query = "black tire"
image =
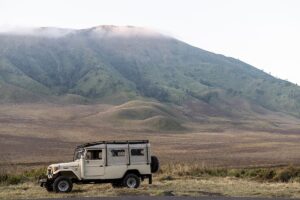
column 117, row 184
column 49, row 187
column 62, row 184
column 131, row 181
column 154, row 164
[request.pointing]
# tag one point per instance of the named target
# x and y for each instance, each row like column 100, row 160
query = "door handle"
column 101, row 166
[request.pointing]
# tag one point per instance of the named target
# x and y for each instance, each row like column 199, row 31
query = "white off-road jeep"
column 121, row 163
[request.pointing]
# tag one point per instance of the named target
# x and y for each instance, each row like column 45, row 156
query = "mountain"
column 111, row 64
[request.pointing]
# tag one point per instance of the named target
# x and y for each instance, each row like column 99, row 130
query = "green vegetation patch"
column 33, row 175
column 272, row 174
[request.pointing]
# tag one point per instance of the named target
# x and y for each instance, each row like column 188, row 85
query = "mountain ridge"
column 116, row 64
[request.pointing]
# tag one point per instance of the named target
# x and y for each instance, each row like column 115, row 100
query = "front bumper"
column 43, row 182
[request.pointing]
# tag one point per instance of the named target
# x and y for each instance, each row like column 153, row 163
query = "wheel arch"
column 68, row 173
column 132, row 171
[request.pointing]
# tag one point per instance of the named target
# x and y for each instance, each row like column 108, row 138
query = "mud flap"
column 150, row 179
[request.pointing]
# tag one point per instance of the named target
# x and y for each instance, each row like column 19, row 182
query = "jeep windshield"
column 78, row 153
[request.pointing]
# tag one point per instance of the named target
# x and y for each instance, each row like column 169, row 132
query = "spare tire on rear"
column 154, row 164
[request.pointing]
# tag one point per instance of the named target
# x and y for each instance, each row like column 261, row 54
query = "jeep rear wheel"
column 132, row 181
column 62, row 184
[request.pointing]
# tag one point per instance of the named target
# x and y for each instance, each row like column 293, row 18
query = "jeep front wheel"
column 131, row 181
column 49, row 187
column 62, row 184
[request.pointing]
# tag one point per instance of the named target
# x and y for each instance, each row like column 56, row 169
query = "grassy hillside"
column 117, row 64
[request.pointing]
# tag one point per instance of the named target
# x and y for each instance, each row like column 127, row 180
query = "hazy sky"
column 263, row 33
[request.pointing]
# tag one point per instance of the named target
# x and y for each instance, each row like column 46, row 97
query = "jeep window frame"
column 77, row 152
column 118, row 152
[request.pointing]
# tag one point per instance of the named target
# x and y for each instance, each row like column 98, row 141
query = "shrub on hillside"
column 284, row 174
column 287, row 174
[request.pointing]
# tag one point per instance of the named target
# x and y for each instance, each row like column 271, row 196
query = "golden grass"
column 178, row 186
column 177, row 179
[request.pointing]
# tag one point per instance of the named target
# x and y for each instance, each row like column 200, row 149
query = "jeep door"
column 94, row 163
column 117, row 161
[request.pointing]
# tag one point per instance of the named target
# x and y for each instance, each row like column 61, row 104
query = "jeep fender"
column 132, row 171
column 67, row 172
column 136, row 172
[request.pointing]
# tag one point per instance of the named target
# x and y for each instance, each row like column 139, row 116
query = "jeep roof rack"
column 113, row 142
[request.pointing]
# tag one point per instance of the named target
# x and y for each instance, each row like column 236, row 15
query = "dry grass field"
column 39, row 134
column 167, row 183
column 178, row 187
column 35, row 135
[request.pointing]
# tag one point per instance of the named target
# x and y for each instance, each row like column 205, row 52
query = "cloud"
column 38, row 32
column 124, row 31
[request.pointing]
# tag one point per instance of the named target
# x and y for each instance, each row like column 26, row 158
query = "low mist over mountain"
column 113, row 64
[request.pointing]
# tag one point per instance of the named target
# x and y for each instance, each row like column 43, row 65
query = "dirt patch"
column 41, row 134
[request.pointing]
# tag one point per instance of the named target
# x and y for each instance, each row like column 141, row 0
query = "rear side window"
column 137, row 152
column 118, row 152
column 117, row 156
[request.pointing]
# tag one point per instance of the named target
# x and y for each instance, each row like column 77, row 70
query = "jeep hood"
column 65, row 165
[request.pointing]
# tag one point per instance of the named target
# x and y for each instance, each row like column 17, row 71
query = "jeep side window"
column 117, row 152
column 94, row 155
column 137, row 152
